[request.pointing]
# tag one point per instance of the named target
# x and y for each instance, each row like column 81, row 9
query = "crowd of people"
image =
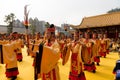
column 84, row 51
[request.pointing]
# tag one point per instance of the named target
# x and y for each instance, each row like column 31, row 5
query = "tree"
column 47, row 25
column 9, row 19
column 114, row 10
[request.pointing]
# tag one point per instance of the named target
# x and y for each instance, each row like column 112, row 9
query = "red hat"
column 51, row 28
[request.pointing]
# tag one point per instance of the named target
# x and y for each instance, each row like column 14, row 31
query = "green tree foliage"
column 9, row 19
column 47, row 25
column 114, row 10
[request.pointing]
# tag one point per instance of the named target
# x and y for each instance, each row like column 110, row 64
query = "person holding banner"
column 47, row 57
column 8, row 55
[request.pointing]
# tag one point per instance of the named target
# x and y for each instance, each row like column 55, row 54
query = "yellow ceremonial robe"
column 102, row 46
column 9, row 55
column 76, row 59
column 19, row 44
column 49, row 67
column 65, row 54
column 95, row 47
column 87, row 54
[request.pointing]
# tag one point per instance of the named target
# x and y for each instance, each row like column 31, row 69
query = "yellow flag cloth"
column 50, row 58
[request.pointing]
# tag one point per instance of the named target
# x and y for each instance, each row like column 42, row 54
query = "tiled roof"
column 109, row 19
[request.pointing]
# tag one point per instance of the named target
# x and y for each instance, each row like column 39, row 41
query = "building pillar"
column 116, row 33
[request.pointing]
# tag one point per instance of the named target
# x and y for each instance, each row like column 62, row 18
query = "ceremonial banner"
column 49, row 59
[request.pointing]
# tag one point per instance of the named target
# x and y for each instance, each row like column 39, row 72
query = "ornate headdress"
column 14, row 34
column 51, row 28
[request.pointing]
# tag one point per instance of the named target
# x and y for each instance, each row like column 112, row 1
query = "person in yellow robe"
column 19, row 46
column 87, row 54
column 34, row 45
column 62, row 41
column 47, row 57
column 96, row 46
column 103, row 47
column 9, row 58
column 76, row 65
column 107, row 40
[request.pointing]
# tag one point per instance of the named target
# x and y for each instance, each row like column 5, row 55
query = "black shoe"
column 94, row 71
column 20, row 60
column 14, row 77
column 98, row 64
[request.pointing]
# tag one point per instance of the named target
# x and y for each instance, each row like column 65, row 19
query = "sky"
column 57, row 11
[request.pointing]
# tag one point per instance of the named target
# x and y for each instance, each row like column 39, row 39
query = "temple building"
column 106, row 23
